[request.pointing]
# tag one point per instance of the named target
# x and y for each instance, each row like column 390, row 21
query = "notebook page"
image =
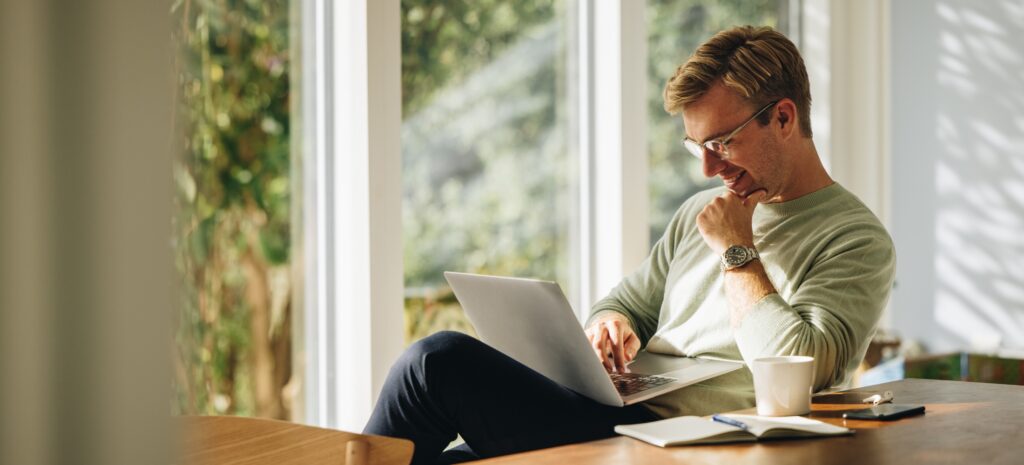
column 683, row 430
column 788, row 426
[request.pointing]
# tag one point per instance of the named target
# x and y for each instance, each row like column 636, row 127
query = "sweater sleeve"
column 833, row 312
column 639, row 295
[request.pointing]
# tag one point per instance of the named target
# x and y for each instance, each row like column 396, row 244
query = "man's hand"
column 613, row 341
column 726, row 220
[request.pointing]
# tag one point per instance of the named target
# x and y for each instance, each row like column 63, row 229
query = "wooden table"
column 964, row 423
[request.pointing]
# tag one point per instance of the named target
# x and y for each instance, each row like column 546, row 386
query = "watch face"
column 735, row 255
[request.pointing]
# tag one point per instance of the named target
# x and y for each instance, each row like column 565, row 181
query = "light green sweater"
column 831, row 261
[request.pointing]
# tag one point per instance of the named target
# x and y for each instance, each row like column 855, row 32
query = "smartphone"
column 885, row 412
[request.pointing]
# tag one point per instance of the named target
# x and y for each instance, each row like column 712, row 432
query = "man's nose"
column 712, row 163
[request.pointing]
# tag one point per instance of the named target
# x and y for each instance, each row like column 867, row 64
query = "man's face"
column 753, row 161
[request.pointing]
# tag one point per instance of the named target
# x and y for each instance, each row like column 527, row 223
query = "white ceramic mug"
column 782, row 385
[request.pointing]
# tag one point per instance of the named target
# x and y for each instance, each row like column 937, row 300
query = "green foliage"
column 233, row 203
column 485, row 163
column 485, row 139
column 443, row 42
column 675, row 29
column 486, row 168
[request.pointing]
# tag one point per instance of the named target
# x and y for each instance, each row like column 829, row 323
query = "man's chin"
column 747, row 192
column 741, row 193
column 735, row 192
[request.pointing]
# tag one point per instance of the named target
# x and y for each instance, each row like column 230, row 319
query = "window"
column 499, row 167
column 487, row 168
column 675, row 29
column 233, row 224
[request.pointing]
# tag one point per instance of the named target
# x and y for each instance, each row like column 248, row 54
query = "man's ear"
column 785, row 114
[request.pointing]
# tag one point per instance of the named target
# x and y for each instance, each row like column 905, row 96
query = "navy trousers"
column 450, row 383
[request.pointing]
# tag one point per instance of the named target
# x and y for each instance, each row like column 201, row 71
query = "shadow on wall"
column 978, row 175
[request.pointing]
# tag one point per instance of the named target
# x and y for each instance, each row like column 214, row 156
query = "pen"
column 730, row 421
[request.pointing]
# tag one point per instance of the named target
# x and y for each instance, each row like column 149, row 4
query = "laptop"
column 532, row 322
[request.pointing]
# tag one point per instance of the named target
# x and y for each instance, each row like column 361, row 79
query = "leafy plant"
column 484, row 145
column 233, row 204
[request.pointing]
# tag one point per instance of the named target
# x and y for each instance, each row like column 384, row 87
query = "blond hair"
column 759, row 63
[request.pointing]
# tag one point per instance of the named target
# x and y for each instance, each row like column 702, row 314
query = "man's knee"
column 439, row 351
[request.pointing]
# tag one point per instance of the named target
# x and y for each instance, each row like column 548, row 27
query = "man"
column 781, row 260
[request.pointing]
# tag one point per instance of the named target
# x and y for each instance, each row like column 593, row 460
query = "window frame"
column 351, row 84
column 351, row 110
column 351, row 113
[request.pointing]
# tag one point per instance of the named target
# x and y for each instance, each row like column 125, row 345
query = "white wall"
column 958, row 172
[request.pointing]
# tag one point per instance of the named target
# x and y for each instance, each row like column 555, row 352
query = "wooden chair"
column 223, row 440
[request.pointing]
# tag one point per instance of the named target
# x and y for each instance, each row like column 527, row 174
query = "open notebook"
column 681, row 431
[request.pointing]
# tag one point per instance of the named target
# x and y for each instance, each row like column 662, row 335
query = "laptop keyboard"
column 632, row 383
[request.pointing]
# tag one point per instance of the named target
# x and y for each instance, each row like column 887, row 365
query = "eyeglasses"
column 718, row 146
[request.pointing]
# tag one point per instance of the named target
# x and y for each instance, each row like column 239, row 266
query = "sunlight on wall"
column 979, row 176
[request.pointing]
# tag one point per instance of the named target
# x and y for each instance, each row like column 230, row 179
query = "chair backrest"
column 224, row 440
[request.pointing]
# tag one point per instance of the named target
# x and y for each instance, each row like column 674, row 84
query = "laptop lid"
column 532, row 322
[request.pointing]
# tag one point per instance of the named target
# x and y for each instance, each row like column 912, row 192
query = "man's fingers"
column 614, row 343
column 615, row 334
column 606, row 360
column 632, row 346
column 601, row 347
column 755, row 198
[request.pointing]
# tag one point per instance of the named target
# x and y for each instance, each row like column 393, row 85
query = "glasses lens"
column 716, row 147
column 694, row 148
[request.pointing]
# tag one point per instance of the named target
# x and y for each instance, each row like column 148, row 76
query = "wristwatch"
column 737, row 256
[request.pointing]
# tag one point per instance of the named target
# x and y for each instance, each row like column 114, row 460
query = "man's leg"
column 450, row 383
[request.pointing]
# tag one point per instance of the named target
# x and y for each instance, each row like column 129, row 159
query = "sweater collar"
column 805, row 202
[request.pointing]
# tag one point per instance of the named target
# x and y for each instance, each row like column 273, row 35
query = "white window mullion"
column 582, row 225
column 352, row 117
column 367, row 180
column 386, row 313
column 618, row 193
column 313, row 357
column 351, row 373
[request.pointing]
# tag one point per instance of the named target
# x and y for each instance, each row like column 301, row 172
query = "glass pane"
column 233, row 222
column 675, row 29
column 485, row 145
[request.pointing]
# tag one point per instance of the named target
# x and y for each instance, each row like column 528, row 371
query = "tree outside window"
column 232, row 228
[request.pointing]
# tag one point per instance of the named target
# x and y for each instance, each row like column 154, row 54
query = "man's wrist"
column 738, row 256
column 606, row 313
column 723, row 245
